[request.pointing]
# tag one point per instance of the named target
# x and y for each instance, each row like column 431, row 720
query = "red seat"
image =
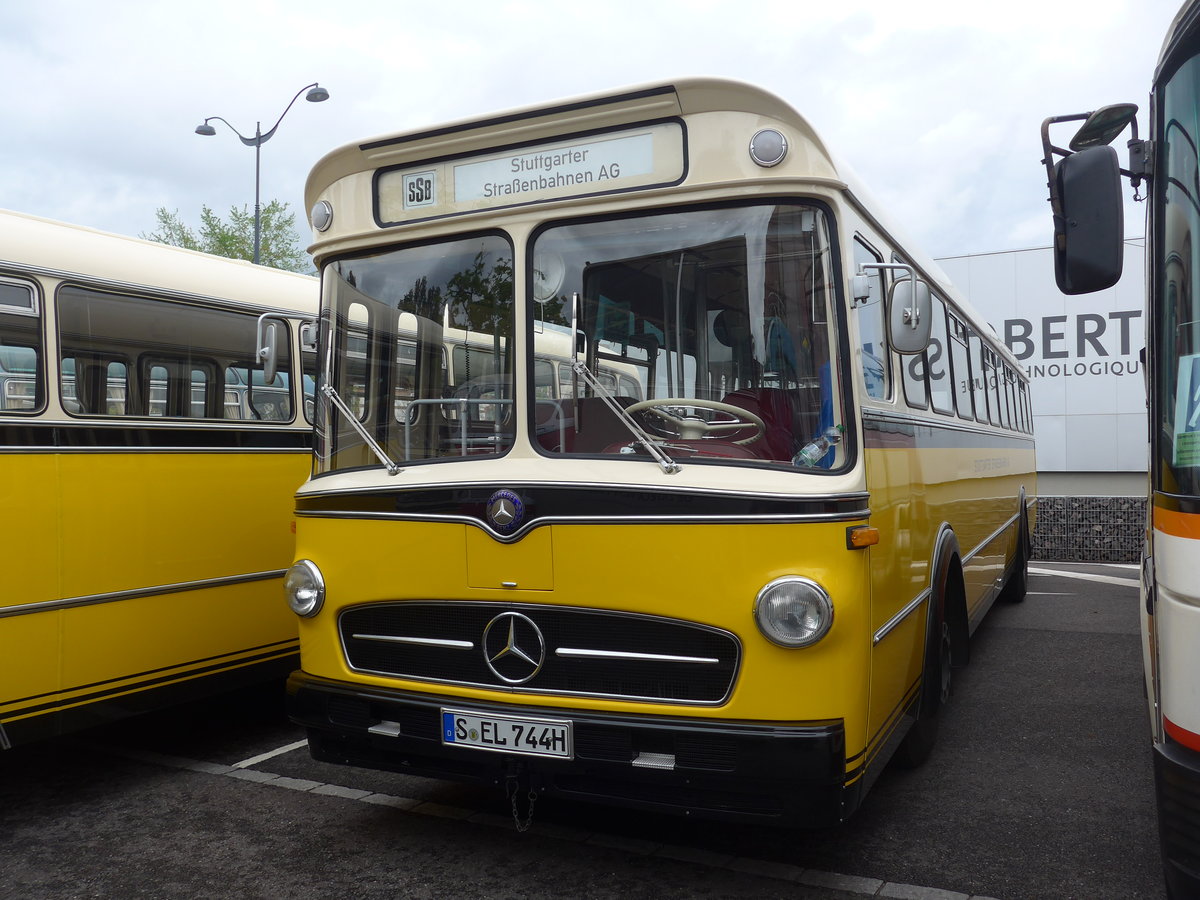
column 598, row 426
column 776, row 409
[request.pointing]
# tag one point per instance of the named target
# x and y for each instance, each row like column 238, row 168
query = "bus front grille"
column 543, row 649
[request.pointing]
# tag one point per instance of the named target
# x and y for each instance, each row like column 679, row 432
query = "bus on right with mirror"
column 1085, row 181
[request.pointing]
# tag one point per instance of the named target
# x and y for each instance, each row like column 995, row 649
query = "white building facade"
column 1084, row 358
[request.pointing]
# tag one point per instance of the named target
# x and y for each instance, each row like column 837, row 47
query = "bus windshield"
column 1178, row 320
column 712, row 328
column 421, row 353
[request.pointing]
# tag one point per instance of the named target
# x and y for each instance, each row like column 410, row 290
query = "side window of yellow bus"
column 872, row 339
column 22, row 382
column 938, row 362
column 991, row 380
column 959, row 357
column 915, row 382
column 978, row 379
column 123, row 355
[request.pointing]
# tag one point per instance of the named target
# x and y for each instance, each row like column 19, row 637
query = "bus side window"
column 915, row 382
column 938, row 361
column 991, row 386
column 978, row 379
column 872, row 340
column 113, row 362
column 961, row 365
column 22, row 384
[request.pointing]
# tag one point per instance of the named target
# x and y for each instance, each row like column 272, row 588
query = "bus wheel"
column 1018, row 580
column 935, row 693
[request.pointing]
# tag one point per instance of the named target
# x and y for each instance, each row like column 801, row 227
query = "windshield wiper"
column 392, row 467
column 654, row 448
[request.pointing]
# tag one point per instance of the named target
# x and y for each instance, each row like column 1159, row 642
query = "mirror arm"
column 912, row 315
column 1140, row 159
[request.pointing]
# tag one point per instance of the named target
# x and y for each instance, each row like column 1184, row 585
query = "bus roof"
column 612, row 109
column 590, row 112
column 35, row 245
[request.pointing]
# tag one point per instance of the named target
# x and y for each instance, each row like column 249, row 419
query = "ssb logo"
column 420, row 189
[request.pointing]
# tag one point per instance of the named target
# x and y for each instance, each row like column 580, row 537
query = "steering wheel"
column 693, row 428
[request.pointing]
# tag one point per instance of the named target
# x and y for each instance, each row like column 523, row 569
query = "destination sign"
column 625, row 160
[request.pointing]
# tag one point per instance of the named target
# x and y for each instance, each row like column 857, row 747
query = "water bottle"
column 814, row 451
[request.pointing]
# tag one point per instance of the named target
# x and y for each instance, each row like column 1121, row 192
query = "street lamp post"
column 315, row 94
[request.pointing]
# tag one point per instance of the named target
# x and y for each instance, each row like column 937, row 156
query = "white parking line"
column 851, row 884
column 263, row 757
column 1087, row 576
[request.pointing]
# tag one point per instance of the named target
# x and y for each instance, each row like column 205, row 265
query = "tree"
column 279, row 242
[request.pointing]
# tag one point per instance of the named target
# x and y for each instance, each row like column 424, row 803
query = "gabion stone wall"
column 1089, row 529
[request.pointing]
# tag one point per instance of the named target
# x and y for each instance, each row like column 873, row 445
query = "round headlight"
column 793, row 611
column 304, row 588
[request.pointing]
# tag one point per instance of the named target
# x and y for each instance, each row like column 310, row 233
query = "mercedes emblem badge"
column 513, row 647
column 505, row 512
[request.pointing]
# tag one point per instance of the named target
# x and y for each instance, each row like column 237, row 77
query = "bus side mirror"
column 910, row 316
column 309, row 334
column 1089, row 223
column 266, row 344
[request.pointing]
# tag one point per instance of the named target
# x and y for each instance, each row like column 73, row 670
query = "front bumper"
column 1177, row 789
column 788, row 774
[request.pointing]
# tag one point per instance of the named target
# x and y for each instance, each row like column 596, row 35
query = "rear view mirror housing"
column 270, row 335
column 910, row 316
column 1089, row 223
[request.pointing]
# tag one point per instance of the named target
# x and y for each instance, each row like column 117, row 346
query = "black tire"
column 1018, row 580
column 935, row 693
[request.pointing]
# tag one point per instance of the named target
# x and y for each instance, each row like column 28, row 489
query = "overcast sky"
column 936, row 105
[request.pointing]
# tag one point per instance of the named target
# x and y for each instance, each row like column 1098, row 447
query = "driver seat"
column 774, row 407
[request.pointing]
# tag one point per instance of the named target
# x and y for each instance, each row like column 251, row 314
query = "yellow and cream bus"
column 148, row 469
column 725, row 566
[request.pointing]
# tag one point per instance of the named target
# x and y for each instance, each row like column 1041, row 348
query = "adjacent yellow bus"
column 720, row 556
column 148, row 468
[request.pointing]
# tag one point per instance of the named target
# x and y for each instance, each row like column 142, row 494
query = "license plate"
column 507, row 734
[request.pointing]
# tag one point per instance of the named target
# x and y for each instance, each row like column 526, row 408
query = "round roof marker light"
column 321, row 216
column 768, row 148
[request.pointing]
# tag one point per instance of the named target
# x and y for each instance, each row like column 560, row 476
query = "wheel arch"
column 948, row 595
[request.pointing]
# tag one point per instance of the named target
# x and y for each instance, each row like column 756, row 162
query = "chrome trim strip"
column 944, row 421
column 385, row 488
column 925, row 594
column 576, row 653
column 899, row 617
column 157, row 590
column 5, row 743
column 850, row 516
column 423, row 642
column 991, row 537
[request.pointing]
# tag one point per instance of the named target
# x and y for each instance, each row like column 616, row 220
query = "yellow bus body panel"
column 710, row 574
column 140, row 523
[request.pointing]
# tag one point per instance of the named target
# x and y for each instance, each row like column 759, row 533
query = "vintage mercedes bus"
column 750, row 473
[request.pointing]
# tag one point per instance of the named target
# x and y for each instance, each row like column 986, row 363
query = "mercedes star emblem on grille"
column 505, row 511
column 513, row 647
